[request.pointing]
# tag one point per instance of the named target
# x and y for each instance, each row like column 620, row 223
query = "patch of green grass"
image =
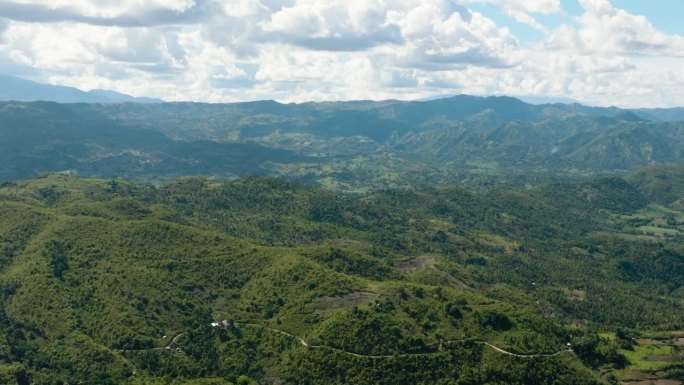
column 650, row 223
column 660, row 335
column 639, row 357
column 658, row 230
column 608, row 336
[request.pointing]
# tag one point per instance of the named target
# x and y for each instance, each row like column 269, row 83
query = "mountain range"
column 350, row 146
column 19, row 89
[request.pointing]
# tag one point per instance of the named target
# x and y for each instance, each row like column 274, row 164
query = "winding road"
column 330, row 348
column 167, row 347
column 498, row 349
column 307, row 345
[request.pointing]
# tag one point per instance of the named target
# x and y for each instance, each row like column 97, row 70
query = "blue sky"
column 665, row 14
column 627, row 53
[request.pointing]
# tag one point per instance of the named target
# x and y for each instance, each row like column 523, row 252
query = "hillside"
column 351, row 146
column 118, row 281
column 44, row 137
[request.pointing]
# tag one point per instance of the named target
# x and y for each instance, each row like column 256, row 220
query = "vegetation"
column 346, row 146
column 121, row 282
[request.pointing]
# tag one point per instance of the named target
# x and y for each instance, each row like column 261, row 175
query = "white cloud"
column 442, row 37
column 130, row 13
column 525, row 18
column 53, row 48
column 336, row 25
column 522, row 10
column 296, row 50
column 596, row 6
column 529, row 6
column 605, row 29
column 108, row 8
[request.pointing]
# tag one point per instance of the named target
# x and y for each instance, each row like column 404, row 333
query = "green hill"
column 120, row 282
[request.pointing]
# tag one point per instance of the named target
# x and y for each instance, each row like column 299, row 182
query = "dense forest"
column 266, row 280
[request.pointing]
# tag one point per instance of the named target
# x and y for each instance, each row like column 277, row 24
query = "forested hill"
column 353, row 146
column 120, row 282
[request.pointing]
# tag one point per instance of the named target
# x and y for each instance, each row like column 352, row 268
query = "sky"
column 627, row 53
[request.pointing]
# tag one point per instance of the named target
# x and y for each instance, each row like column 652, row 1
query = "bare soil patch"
column 428, row 262
column 575, row 294
column 412, row 265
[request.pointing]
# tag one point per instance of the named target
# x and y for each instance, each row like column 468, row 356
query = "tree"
column 55, row 251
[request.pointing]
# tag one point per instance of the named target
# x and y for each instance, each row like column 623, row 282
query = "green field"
column 650, row 357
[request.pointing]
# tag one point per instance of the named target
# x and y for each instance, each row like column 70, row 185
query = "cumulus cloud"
column 605, row 29
column 337, row 25
column 529, row 6
column 441, row 37
column 299, row 50
column 106, row 13
column 523, row 10
column 108, row 7
column 139, row 45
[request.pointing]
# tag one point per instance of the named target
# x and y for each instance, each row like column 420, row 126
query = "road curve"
column 330, row 348
column 307, row 345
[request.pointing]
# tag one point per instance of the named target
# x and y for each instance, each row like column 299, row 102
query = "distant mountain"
column 529, row 99
column 355, row 146
column 18, row 89
column 42, row 137
column 661, row 114
column 116, row 97
column 536, row 99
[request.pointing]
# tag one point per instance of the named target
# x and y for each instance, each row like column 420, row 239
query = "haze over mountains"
column 343, row 145
column 19, row 89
